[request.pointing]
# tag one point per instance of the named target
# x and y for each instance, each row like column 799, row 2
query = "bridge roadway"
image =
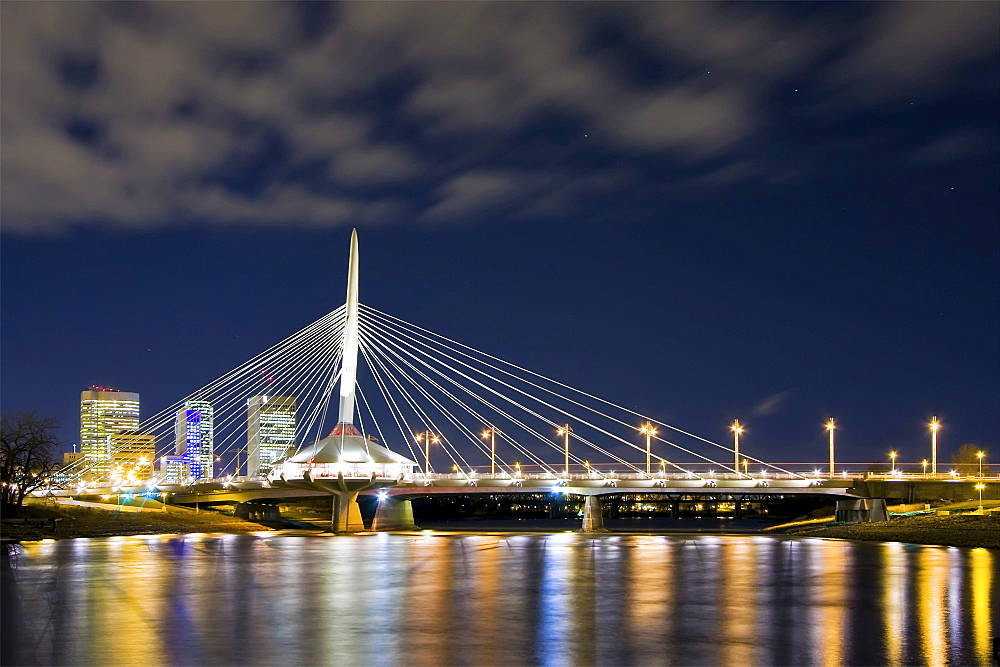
column 435, row 484
column 395, row 494
column 395, row 509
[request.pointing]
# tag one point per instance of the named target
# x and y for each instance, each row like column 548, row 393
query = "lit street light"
column 564, row 431
column 491, row 433
column 427, row 438
column 892, row 455
column 924, row 464
column 980, row 454
column 934, row 425
column 736, row 429
column 649, row 431
column 980, row 487
column 830, row 426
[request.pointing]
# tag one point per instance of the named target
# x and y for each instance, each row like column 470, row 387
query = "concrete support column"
column 394, row 514
column 675, row 509
column 593, row 520
column 739, row 508
column 346, row 515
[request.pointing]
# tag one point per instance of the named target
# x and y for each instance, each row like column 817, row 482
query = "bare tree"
column 27, row 447
column 966, row 459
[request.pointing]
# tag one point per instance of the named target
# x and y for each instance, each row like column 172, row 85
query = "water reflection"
column 443, row 599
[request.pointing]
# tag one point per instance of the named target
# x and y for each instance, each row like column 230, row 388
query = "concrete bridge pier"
column 345, row 516
column 593, row 520
column 394, row 514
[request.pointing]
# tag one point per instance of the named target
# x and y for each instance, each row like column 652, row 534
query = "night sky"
column 771, row 212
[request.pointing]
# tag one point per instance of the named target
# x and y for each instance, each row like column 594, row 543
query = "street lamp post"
column 427, row 438
column 491, row 433
column 830, row 427
column 892, row 455
column 980, row 487
column 649, row 431
column 935, row 425
column 924, row 464
column 980, row 454
column 564, row 431
column 746, row 467
column 736, row 429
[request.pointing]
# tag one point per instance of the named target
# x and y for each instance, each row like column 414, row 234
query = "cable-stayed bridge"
column 415, row 412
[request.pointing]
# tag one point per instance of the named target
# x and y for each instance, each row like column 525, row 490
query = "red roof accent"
column 344, row 428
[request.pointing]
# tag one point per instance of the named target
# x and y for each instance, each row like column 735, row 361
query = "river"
column 438, row 598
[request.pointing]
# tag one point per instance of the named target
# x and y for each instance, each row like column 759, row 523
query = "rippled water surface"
column 464, row 599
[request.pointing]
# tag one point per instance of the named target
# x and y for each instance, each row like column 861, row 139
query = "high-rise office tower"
column 104, row 412
column 194, row 436
column 270, row 431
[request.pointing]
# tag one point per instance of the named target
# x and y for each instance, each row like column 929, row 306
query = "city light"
column 831, row 427
column 491, row 433
column 427, row 438
column 980, row 454
column 980, row 487
column 892, row 455
column 935, row 425
column 737, row 429
column 649, row 431
column 564, row 431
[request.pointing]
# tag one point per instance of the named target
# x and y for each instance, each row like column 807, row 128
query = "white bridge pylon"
column 418, row 407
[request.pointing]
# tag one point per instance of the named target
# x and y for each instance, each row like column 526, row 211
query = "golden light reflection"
column 488, row 592
column 429, row 607
column 578, row 610
column 127, row 638
column 651, row 573
column 982, row 563
column 932, row 581
column 829, row 603
column 894, row 602
column 737, row 601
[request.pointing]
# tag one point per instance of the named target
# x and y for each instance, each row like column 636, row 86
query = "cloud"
column 956, row 146
column 918, row 48
column 140, row 115
column 480, row 191
column 771, row 404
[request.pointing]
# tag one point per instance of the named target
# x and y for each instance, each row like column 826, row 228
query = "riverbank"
column 962, row 528
column 35, row 522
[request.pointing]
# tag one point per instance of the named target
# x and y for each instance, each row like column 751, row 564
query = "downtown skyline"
column 777, row 214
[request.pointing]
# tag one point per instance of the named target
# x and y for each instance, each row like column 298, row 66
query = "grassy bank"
column 960, row 529
column 77, row 521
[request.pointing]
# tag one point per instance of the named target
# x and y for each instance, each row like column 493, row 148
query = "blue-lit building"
column 172, row 470
column 194, row 435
